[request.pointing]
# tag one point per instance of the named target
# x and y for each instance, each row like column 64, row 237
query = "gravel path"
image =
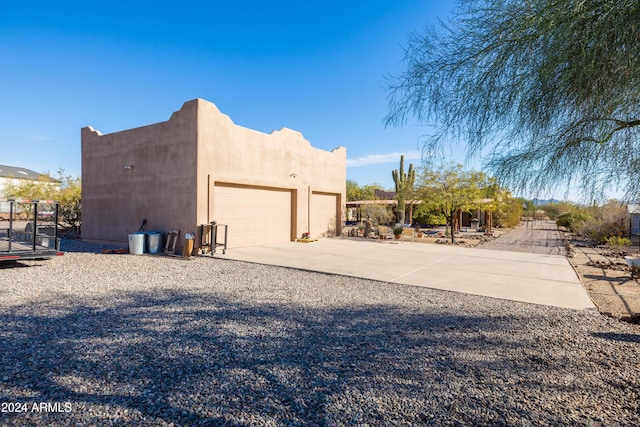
column 540, row 237
column 91, row 339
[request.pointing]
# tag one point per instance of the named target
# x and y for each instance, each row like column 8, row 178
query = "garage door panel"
column 323, row 214
column 255, row 215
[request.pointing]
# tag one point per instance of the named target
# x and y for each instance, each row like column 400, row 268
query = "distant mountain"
column 538, row 202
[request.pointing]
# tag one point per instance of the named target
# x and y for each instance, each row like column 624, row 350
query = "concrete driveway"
column 534, row 278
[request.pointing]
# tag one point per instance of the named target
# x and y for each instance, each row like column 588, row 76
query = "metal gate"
column 28, row 229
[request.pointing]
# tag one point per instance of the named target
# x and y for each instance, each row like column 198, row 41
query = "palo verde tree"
column 451, row 189
column 404, row 186
column 551, row 88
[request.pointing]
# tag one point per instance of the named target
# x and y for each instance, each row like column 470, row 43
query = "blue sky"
column 316, row 67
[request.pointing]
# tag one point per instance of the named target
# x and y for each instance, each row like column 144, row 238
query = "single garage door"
column 323, row 214
column 255, row 215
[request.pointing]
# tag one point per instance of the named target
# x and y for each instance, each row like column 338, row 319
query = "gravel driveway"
column 539, row 236
column 90, row 339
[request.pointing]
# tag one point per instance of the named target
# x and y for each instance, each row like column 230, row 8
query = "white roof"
column 633, row 208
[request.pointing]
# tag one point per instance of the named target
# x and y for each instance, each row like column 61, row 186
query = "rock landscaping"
column 92, row 339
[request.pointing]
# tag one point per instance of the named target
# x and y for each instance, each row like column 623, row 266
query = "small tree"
column 70, row 201
column 40, row 189
column 450, row 190
column 508, row 213
column 66, row 190
column 357, row 192
column 429, row 215
column 404, row 186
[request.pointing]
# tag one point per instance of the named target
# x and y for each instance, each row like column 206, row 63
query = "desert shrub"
column 378, row 214
column 428, row 216
column 617, row 242
column 605, row 222
column 508, row 214
column 574, row 221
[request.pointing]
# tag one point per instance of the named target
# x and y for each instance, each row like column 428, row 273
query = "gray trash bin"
column 154, row 241
column 136, row 243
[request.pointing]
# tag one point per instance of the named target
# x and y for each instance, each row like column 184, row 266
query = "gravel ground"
column 541, row 237
column 92, row 339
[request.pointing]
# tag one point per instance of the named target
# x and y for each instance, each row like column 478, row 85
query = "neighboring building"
column 13, row 175
column 633, row 211
column 384, row 195
column 199, row 167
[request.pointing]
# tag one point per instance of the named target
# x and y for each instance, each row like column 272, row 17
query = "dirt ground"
column 607, row 279
column 603, row 273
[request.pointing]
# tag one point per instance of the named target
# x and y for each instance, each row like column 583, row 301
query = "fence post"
column 35, row 223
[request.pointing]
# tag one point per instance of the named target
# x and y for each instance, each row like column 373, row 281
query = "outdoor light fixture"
column 128, row 167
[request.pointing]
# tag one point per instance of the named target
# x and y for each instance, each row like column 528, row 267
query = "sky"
column 316, row 67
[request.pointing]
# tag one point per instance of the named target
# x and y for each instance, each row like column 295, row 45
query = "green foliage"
column 451, row 189
column 352, row 190
column 42, row 189
column 70, row 200
column 529, row 208
column 605, row 221
column 66, row 190
column 617, row 242
column 554, row 210
column 398, row 229
column 570, row 221
column 508, row 213
column 553, row 87
column 356, row 192
column 404, row 186
column 425, row 214
column 378, row 214
column 599, row 223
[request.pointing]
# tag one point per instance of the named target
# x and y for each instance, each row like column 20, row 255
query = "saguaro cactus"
column 404, row 186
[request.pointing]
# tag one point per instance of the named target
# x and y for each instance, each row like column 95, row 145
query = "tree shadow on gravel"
column 613, row 280
column 192, row 359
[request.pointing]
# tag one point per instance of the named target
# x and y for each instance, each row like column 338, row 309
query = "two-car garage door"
column 265, row 215
column 255, row 215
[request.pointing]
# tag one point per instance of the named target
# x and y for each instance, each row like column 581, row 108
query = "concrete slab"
column 534, row 278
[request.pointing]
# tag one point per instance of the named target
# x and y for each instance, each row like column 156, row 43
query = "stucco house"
column 199, row 167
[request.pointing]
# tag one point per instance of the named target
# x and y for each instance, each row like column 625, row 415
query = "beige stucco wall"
column 160, row 186
column 177, row 163
column 228, row 153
